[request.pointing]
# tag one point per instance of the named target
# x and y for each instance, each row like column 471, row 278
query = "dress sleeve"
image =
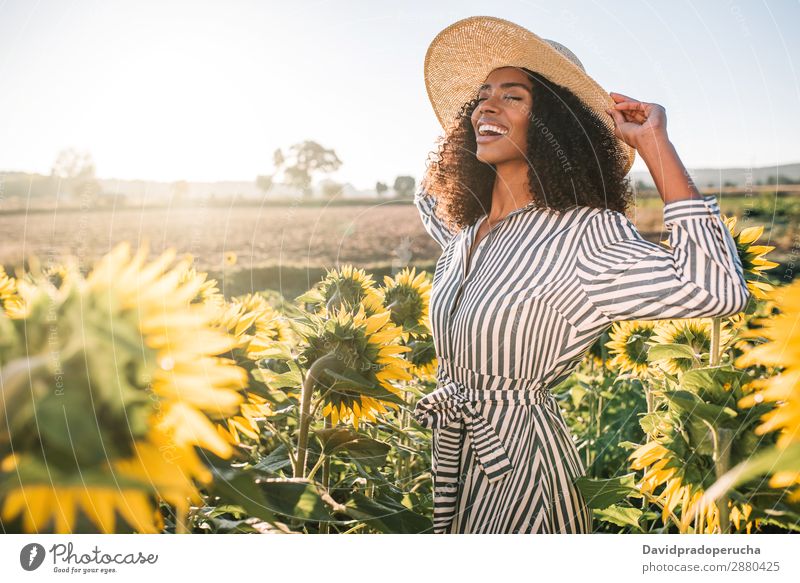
column 627, row 277
column 426, row 203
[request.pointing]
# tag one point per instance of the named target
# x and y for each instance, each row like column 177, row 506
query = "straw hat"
column 462, row 55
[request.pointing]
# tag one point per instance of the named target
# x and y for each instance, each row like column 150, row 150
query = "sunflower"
column 782, row 350
column 255, row 323
column 57, row 274
column 10, row 301
column 143, row 379
column 365, row 354
column 692, row 332
column 629, row 346
column 422, row 356
column 347, row 288
column 753, row 257
column 594, row 355
column 209, row 292
column 256, row 326
column 256, row 408
column 407, row 295
column 662, row 468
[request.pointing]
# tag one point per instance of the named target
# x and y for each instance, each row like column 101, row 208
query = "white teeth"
column 484, row 127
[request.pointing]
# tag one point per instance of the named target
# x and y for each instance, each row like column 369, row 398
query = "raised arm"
column 426, row 203
column 626, row 277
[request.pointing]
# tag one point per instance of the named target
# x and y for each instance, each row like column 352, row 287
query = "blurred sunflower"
column 662, row 468
column 365, row 354
column 230, row 258
column 57, row 274
column 255, row 323
column 10, row 301
column 257, row 326
column 143, row 380
column 594, row 356
column 782, row 350
column 407, row 295
column 208, row 293
column 629, row 346
column 692, row 332
column 256, row 408
column 753, row 257
column 347, row 288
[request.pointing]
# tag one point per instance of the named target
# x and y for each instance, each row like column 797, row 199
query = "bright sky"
column 201, row 90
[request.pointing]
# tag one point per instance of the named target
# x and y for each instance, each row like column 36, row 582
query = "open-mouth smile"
column 490, row 132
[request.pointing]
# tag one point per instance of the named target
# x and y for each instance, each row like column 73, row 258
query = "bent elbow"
column 735, row 300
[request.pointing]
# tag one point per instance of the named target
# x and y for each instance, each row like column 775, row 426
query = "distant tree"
column 381, row 188
column 780, row 179
column 264, row 183
column 729, row 184
column 76, row 170
column 331, row 189
column 304, row 161
column 404, row 186
column 277, row 158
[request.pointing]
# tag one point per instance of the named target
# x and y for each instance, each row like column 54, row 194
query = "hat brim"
column 462, row 55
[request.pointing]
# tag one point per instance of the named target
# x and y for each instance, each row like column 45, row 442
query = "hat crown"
column 565, row 52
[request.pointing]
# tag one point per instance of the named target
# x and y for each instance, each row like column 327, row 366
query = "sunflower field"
column 137, row 398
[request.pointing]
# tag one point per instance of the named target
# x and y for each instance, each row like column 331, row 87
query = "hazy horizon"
column 203, row 92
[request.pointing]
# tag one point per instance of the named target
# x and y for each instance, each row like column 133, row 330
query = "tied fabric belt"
column 449, row 408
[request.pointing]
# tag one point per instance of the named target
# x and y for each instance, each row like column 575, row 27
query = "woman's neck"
column 511, row 189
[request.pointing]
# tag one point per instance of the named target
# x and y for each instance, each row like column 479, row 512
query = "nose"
column 488, row 104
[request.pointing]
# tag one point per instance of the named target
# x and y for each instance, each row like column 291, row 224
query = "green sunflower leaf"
column 667, row 351
column 356, row 383
column 690, row 403
column 387, row 515
column 625, row 516
column 369, row 452
column 602, row 493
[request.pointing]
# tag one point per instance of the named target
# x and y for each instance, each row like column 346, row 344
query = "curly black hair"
column 575, row 160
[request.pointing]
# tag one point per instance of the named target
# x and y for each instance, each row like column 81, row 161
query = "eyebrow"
column 505, row 85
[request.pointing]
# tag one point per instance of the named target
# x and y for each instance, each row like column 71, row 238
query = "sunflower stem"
column 722, row 465
column 401, row 462
column 305, row 406
column 326, row 477
column 722, row 438
column 716, row 326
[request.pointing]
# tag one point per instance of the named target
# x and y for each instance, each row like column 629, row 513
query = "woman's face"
column 505, row 101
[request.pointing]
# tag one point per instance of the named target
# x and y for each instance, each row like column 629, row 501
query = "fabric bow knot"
column 448, row 406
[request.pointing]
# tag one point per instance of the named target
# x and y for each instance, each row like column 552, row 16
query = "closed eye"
column 504, row 96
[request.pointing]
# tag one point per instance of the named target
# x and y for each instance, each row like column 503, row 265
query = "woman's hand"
column 640, row 125
column 644, row 127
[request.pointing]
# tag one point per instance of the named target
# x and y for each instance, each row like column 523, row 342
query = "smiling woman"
column 527, row 202
column 571, row 156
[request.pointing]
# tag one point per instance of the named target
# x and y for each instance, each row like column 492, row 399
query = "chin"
column 489, row 157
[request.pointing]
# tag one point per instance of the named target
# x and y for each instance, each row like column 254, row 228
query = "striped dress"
column 539, row 289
